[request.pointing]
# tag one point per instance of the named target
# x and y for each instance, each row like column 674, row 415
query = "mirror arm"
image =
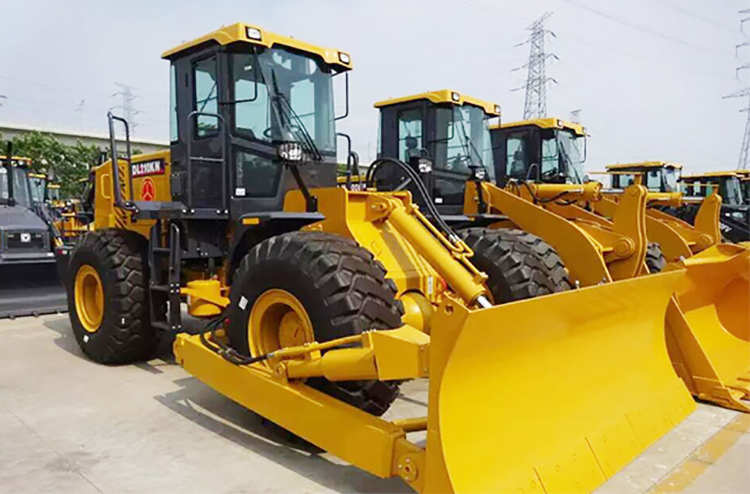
column 346, row 100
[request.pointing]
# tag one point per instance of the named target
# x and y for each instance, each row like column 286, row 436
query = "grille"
column 26, row 241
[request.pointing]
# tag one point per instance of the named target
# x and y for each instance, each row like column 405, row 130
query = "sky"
column 647, row 75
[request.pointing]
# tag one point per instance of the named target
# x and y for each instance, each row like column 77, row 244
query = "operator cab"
column 444, row 136
column 19, row 192
column 728, row 185
column 252, row 116
column 546, row 150
column 656, row 176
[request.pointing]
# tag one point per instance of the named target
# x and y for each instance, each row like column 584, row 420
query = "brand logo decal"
column 146, row 168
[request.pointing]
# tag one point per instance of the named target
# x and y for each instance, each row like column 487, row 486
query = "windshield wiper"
column 293, row 121
column 569, row 162
column 469, row 146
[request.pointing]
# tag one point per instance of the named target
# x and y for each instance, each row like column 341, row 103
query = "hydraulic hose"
column 421, row 189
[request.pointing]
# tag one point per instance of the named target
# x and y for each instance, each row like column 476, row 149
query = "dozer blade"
column 31, row 290
column 557, row 393
column 709, row 326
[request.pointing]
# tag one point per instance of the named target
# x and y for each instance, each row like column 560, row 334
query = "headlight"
column 479, row 173
column 290, row 151
column 424, row 165
column 253, row 33
column 559, row 123
column 344, row 58
column 455, row 97
column 497, row 109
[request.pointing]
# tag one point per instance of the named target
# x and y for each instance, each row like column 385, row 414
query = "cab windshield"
column 37, row 189
column 282, row 95
column 466, row 135
column 20, row 187
column 571, row 148
column 671, row 177
column 561, row 157
column 731, row 191
column 53, row 193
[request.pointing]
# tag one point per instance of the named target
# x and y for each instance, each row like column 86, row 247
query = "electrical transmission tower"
column 742, row 163
column 535, row 104
column 128, row 107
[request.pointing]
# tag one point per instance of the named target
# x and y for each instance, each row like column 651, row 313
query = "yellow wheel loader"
column 735, row 205
column 707, row 322
column 678, row 236
column 444, row 135
column 319, row 300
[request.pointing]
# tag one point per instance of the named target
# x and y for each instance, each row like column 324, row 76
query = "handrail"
column 127, row 205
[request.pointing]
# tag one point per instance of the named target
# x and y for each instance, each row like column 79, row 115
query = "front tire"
column 108, row 298
column 519, row 265
column 303, row 286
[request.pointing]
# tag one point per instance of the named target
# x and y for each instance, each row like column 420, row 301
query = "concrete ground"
column 69, row 425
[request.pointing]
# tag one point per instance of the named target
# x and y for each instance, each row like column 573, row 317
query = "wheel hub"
column 89, row 298
column 278, row 320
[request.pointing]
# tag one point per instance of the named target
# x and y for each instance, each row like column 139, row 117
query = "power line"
column 636, row 26
column 596, row 44
column 535, row 104
column 743, row 93
column 696, row 16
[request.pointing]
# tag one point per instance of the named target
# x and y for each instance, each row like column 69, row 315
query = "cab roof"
column 544, row 123
column 445, row 96
column 643, row 165
column 16, row 159
column 719, row 174
column 254, row 35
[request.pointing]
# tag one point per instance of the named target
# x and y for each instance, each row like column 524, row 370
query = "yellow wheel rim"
column 278, row 320
column 89, row 298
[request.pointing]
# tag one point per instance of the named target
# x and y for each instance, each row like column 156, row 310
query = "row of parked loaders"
column 554, row 354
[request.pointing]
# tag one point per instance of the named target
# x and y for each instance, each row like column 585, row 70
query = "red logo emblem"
column 148, row 190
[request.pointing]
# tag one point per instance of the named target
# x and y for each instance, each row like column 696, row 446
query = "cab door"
column 199, row 171
column 515, row 150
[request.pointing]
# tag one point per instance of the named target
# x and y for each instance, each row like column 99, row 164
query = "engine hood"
column 20, row 218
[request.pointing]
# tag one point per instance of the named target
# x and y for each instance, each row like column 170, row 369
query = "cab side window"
column 653, row 180
column 206, row 97
column 517, row 161
column 550, row 157
column 409, row 134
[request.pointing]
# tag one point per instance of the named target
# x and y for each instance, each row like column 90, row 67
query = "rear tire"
column 655, row 260
column 342, row 289
column 519, row 265
column 123, row 334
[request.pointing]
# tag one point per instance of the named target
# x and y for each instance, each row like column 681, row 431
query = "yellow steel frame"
column 416, row 255
column 708, row 325
column 445, row 96
column 473, row 365
column 677, row 238
column 593, row 249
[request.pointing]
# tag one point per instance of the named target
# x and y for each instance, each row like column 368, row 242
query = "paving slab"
column 69, row 425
